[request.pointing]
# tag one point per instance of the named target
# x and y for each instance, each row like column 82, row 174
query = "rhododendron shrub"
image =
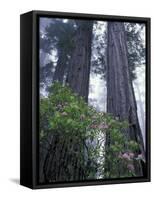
column 67, row 115
column 122, row 154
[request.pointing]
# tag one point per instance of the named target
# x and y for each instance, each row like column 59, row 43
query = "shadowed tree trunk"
column 65, row 158
column 120, row 94
column 61, row 66
column 79, row 70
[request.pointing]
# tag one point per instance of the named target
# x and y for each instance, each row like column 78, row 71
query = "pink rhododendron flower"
column 93, row 126
column 130, row 167
column 103, row 126
column 126, row 156
column 106, row 126
column 131, row 155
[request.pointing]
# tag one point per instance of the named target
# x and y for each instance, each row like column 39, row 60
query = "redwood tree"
column 120, row 94
column 79, row 70
column 60, row 164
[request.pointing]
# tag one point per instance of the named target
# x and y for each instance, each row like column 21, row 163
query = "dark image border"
column 35, row 98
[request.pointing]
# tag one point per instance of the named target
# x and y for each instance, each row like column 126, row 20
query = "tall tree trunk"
column 61, row 66
column 142, row 113
column 79, row 70
column 65, row 158
column 120, row 94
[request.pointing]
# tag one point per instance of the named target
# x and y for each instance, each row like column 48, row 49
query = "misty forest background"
column 92, row 100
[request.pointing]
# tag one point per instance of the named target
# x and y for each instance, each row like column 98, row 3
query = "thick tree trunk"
column 61, row 66
column 120, row 94
column 65, row 158
column 79, row 70
column 62, row 162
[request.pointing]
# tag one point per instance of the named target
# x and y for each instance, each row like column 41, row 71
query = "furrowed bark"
column 79, row 70
column 121, row 101
column 65, row 158
column 61, row 66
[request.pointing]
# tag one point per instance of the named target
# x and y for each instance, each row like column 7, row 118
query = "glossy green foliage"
column 67, row 115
